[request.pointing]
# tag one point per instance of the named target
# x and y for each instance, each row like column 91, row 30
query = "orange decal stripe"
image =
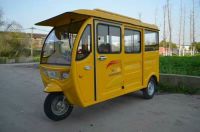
column 112, row 63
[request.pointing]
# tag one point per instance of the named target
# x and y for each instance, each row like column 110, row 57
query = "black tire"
column 51, row 103
column 147, row 93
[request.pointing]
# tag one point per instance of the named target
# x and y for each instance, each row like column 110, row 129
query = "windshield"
column 58, row 46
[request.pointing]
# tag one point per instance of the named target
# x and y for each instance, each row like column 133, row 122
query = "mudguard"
column 52, row 87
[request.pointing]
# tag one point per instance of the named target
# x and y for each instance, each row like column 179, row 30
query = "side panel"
column 132, row 72
column 132, row 66
column 109, row 77
column 150, row 63
column 85, row 73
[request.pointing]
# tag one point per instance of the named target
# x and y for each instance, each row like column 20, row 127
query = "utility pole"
column 193, row 27
column 169, row 24
column 184, row 32
column 193, row 23
column 191, row 50
column 32, row 28
column 180, row 24
column 140, row 16
column 164, row 32
column 156, row 16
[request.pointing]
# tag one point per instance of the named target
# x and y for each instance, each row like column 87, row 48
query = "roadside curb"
column 180, row 80
column 34, row 65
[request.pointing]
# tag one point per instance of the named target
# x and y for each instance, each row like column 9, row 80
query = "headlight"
column 53, row 74
column 56, row 74
column 65, row 75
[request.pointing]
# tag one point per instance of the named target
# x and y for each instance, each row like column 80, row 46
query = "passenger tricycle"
column 94, row 55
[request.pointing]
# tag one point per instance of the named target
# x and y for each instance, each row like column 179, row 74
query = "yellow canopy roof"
column 82, row 14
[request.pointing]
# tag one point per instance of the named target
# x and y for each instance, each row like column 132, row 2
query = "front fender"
column 52, row 87
column 151, row 75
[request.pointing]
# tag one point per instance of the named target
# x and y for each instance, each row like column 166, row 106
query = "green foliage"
column 3, row 60
column 166, row 44
column 185, row 65
column 12, row 44
column 36, row 59
column 178, row 89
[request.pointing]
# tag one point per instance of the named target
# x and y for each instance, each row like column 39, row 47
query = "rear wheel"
column 56, row 107
column 149, row 92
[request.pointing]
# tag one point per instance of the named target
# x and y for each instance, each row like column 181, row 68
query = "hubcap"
column 151, row 88
column 59, row 106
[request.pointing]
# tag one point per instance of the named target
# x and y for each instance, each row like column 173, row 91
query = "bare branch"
column 1, row 18
column 13, row 27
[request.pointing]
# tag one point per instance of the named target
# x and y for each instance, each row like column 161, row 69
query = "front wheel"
column 56, row 107
column 149, row 92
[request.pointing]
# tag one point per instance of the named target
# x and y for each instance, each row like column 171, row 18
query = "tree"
column 12, row 41
column 13, row 26
column 1, row 18
column 12, row 44
column 195, row 45
column 164, row 44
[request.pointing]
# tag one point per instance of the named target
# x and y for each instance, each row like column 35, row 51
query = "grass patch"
column 178, row 89
column 184, row 65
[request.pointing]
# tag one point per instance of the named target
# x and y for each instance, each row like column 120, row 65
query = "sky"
column 29, row 12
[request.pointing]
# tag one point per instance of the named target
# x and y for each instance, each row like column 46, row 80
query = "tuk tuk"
column 92, row 56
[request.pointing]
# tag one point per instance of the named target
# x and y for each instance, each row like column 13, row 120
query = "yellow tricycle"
column 94, row 55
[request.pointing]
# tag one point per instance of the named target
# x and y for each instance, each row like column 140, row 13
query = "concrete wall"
column 180, row 80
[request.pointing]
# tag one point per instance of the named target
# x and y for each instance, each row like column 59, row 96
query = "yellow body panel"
column 132, row 66
column 117, row 75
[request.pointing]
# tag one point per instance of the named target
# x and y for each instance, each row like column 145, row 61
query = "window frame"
column 90, row 42
column 133, row 43
column 157, row 38
column 109, row 25
column 44, row 44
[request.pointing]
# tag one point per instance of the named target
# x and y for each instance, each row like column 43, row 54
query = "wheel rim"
column 59, row 106
column 151, row 88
